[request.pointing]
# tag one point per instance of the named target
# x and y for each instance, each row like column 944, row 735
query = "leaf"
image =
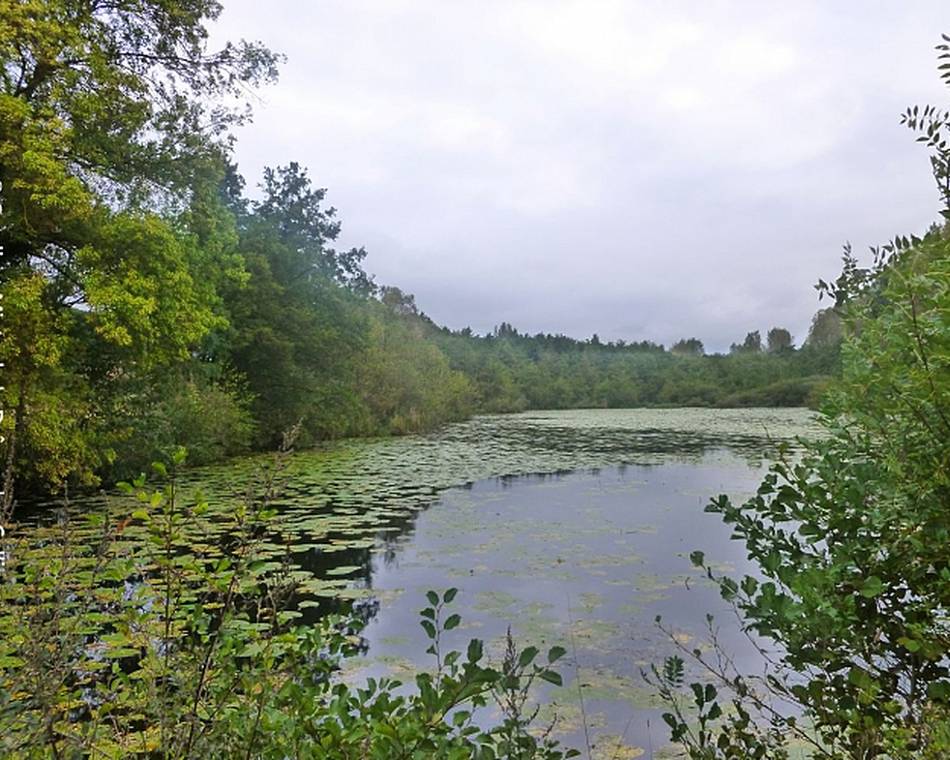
column 911, row 645
column 475, row 650
column 556, row 653
column 527, row 656
column 452, row 622
column 860, row 678
column 449, row 595
column 551, row 676
column 873, row 586
column 432, row 597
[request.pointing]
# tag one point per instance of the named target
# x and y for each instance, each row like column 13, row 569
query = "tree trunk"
column 19, row 423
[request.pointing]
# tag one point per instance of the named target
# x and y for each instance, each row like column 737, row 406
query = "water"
column 584, row 560
column 573, row 528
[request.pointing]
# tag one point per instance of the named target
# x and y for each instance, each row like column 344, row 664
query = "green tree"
column 688, row 347
column 779, row 340
column 825, row 330
column 107, row 114
column 297, row 327
column 751, row 344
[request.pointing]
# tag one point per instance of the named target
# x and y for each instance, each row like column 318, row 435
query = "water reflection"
column 584, row 560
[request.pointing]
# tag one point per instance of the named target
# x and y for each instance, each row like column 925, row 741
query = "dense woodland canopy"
column 150, row 303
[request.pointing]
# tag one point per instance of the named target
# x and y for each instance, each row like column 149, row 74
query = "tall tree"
column 779, row 340
column 297, row 326
column 688, row 347
column 752, row 344
column 108, row 113
column 826, row 329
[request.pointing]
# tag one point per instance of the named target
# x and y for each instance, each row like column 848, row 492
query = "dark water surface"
column 585, row 560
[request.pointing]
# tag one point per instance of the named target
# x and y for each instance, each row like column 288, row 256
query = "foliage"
column 751, row 344
column 779, row 339
column 405, row 382
column 511, row 372
column 110, row 119
column 825, row 330
column 709, row 731
column 135, row 646
column 688, row 347
column 207, row 414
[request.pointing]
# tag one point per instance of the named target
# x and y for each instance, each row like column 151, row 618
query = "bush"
column 211, row 418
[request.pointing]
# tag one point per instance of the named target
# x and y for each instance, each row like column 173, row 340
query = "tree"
column 688, row 347
column 107, row 115
column 825, row 330
column 297, row 327
column 779, row 340
column 398, row 302
column 751, row 345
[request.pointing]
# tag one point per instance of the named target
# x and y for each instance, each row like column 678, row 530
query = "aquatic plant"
column 134, row 644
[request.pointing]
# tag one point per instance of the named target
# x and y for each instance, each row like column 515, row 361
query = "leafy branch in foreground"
column 705, row 728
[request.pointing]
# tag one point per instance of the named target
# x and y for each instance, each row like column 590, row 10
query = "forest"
column 156, row 313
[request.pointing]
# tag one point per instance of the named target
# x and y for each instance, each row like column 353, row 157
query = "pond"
column 572, row 528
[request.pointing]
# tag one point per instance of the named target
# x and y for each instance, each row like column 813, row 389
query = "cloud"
column 641, row 170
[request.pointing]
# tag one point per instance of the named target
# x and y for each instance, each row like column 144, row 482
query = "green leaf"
column 527, row 656
column 556, row 653
column 475, row 649
column 872, row 587
column 911, row 645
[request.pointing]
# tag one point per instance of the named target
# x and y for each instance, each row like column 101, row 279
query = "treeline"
column 149, row 303
column 512, row 371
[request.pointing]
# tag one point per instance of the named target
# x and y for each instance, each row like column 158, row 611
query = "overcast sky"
column 642, row 170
